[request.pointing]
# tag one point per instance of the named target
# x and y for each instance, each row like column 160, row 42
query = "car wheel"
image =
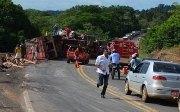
column 68, row 60
column 126, row 89
column 145, row 97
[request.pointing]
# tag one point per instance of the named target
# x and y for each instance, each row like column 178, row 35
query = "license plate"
column 175, row 93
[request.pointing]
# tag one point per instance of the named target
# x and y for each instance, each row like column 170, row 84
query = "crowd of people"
column 21, row 53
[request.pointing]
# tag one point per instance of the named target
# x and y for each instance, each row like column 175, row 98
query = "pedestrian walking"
column 102, row 63
column 114, row 60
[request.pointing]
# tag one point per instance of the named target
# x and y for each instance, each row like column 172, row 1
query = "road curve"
column 55, row 86
column 117, row 86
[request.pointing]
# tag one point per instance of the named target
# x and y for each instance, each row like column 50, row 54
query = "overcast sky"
column 66, row 4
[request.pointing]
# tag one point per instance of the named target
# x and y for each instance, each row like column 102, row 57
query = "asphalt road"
column 55, row 86
column 118, row 86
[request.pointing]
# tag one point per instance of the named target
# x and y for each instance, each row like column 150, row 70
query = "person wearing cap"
column 115, row 59
column 102, row 63
column 135, row 61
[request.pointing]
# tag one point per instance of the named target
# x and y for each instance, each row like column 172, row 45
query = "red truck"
column 125, row 48
column 83, row 56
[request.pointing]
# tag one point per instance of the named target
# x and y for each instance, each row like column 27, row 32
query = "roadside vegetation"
column 165, row 35
column 15, row 26
column 162, row 24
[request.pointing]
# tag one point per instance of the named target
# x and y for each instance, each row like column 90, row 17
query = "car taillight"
column 157, row 77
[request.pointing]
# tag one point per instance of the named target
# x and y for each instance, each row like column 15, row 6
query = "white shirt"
column 103, row 62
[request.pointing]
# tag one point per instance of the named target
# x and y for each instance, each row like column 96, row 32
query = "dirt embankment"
column 172, row 54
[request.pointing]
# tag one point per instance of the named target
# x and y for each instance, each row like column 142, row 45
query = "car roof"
column 152, row 61
column 155, row 59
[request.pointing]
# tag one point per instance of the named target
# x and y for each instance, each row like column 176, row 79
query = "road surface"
column 55, row 86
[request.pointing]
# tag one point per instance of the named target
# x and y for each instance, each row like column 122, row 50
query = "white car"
column 153, row 78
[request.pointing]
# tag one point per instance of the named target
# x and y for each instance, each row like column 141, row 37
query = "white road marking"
column 28, row 104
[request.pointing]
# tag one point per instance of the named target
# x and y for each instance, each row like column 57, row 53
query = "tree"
column 14, row 25
column 116, row 20
column 165, row 35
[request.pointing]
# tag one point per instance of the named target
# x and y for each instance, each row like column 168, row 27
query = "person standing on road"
column 23, row 51
column 35, row 51
column 135, row 61
column 76, row 55
column 102, row 63
column 18, row 54
column 114, row 59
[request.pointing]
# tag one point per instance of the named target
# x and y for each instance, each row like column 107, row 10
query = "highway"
column 55, row 86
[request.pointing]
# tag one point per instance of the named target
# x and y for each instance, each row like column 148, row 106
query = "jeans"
column 103, row 80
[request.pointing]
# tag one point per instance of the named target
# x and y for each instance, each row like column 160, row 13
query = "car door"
column 141, row 76
column 134, row 75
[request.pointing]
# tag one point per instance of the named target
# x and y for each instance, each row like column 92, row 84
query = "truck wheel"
column 126, row 89
column 68, row 60
column 145, row 97
column 87, row 61
column 179, row 104
column 84, row 62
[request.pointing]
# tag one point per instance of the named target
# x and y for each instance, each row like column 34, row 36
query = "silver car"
column 152, row 78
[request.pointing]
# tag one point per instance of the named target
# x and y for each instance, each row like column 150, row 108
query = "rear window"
column 166, row 67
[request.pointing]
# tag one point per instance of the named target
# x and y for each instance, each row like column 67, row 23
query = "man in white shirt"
column 103, row 63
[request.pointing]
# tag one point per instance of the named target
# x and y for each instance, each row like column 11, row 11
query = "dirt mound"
column 172, row 54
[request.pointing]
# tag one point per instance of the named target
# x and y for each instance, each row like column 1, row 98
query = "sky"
column 66, row 4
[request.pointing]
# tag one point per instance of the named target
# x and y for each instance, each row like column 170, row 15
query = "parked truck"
column 125, row 48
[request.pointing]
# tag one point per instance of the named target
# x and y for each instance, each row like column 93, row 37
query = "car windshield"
column 166, row 67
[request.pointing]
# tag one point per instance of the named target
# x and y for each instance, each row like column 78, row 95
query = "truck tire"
column 68, row 60
column 179, row 104
column 84, row 62
column 87, row 61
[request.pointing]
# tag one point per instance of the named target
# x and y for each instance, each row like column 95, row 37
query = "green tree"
column 116, row 20
column 14, row 25
column 165, row 35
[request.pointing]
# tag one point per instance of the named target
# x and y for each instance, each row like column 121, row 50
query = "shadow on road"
column 161, row 102
column 90, row 64
column 116, row 98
